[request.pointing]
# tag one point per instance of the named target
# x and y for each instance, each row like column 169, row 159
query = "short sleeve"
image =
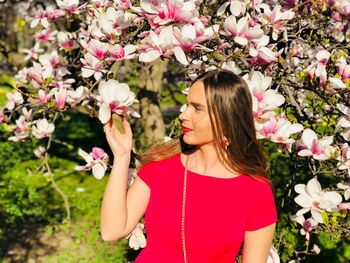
column 146, row 173
column 262, row 210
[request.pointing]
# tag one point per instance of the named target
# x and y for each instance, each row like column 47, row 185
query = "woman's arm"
column 121, row 208
column 257, row 244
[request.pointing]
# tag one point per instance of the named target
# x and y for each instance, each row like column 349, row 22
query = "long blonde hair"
column 231, row 115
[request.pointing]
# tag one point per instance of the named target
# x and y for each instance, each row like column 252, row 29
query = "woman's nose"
column 182, row 115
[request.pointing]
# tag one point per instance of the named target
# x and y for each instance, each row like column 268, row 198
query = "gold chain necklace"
column 183, row 212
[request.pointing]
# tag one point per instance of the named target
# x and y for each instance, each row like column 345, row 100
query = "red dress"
column 218, row 211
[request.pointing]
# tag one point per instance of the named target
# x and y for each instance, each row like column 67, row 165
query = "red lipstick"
column 186, row 130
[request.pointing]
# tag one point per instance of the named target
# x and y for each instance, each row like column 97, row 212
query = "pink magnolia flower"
column 264, row 99
column 44, row 98
column 117, row 52
column 27, row 114
column 97, row 48
column 96, row 160
column 318, row 68
column 312, row 198
column 2, row 116
column 344, row 121
column 189, row 37
column 46, row 16
column 43, row 128
column 92, row 66
column 39, row 152
column 70, row 6
column 61, row 97
column 242, row 33
column 309, row 145
column 21, row 130
column 45, row 36
column 33, row 53
column 75, row 96
column 275, row 18
column 14, row 99
column 308, row 225
column 344, row 206
column 137, row 239
column 66, row 41
column 115, row 97
column 155, row 46
column 37, row 74
column 162, row 12
column 52, row 65
column 113, row 22
column 279, row 131
column 344, row 159
column 343, row 68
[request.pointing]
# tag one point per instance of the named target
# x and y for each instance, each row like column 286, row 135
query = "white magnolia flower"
column 308, row 225
column 116, row 97
column 39, row 152
column 43, row 129
column 273, row 256
column 312, row 198
column 136, row 238
column 346, row 187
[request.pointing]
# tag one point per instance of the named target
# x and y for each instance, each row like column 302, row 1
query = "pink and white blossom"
column 97, row 48
column 42, row 128
column 43, row 97
column 344, row 121
column 346, row 188
column 344, row 158
column 14, row 99
column 310, row 145
column 33, row 53
column 70, row 6
column 45, row 36
column 66, row 41
column 27, row 114
column 308, row 225
column 113, row 21
column 115, row 98
column 21, row 130
column 92, row 67
column 61, row 97
column 39, row 152
column 96, row 160
column 279, row 131
column 312, row 198
column 117, row 52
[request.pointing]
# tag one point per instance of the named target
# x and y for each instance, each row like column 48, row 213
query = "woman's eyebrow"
column 195, row 104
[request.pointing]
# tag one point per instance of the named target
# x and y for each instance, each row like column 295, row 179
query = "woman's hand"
column 120, row 143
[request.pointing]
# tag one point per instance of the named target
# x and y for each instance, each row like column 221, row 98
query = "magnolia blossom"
column 312, row 198
column 309, row 145
column 115, row 97
column 43, row 97
column 92, row 66
column 27, row 114
column 46, row 16
column 308, row 225
column 162, row 12
column 97, row 48
column 113, row 22
column 43, row 128
column 237, row 7
column 275, row 18
column 117, row 52
column 15, row 98
column 264, row 99
column 66, row 41
column 318, row 68
column 279, row 131
column 75, row 96
column 45, row 36
column 154, row 46
column 137, row 239
column 344, row 158
column 242, row 33
column 343, row 68
column 33, row 53
column 346, row 187
column 96, row 160
column 51, row 65
column 273, row 256
column 68, row 5
column 344, row 122
column 39, row 152
column 21, row 130
column 61, row 97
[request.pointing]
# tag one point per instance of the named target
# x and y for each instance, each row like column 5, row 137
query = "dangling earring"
column 226, row 142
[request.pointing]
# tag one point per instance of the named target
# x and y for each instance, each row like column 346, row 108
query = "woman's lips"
column 186, row 130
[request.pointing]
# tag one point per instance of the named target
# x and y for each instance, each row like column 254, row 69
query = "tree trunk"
column 151, row 126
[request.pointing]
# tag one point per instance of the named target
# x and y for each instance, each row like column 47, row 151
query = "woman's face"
column 195, row 119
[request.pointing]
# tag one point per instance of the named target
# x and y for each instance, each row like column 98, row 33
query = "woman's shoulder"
column 256, row 183
column 159, row 163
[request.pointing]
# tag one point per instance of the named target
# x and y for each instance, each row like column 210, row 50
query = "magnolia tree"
column 294, row 56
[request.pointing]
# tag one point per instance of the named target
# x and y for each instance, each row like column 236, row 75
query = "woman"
column 204, row 193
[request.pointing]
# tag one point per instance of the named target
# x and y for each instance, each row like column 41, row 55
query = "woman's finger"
column 126, row 126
